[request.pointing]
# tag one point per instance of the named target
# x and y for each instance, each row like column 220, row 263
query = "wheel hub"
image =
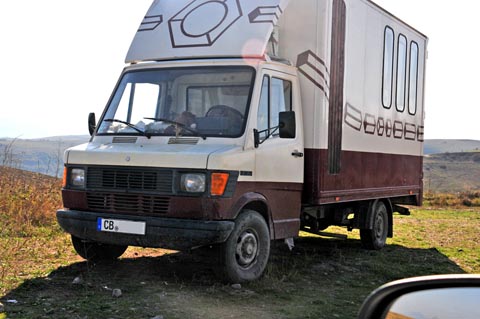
column 247, row 248
column 379, row 226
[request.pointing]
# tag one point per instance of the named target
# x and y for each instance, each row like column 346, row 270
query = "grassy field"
column 321, row 278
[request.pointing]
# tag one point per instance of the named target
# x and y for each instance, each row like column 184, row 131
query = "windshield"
column 181, row 102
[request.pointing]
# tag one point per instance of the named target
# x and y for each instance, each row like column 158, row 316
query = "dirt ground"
column 321, row 278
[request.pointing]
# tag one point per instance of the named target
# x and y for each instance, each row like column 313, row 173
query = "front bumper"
column 169, row 233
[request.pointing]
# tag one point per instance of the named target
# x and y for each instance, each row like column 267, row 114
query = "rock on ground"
column 116, row 293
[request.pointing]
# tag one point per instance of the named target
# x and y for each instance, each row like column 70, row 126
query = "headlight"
column 77, row 177
column 193, row 183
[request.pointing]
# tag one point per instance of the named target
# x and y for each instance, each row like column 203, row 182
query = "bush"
column 471, row 195
column 467, row 202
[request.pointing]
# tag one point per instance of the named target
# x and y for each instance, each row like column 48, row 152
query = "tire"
column 93, row 251
column 246, row 251
column 376, row 238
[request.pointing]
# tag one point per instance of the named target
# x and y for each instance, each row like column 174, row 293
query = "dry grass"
column 458, row 200
column 28, row 234
column 27, row 199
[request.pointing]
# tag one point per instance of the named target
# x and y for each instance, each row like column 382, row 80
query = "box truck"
column 239, row 122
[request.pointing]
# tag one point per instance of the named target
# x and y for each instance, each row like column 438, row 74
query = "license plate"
column 121, row 226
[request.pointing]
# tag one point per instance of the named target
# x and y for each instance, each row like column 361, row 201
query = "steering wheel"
column 224, row 111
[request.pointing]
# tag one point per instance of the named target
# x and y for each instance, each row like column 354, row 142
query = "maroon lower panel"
column 281, row 202
column 362, row 176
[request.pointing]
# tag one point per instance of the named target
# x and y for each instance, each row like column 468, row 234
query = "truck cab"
column 185, row 149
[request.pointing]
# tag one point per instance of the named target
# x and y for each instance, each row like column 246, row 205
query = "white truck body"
column 236, row 123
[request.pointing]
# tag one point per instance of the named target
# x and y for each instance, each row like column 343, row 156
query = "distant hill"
column 452, row 172
column 450, row 146
column 44, row 155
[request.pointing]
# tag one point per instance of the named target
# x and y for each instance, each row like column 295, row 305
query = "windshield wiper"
column 191, row 130
column 130, row 125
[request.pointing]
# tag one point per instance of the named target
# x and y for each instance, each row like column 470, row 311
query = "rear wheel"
column 96, row 251
column 376, row 238
column 246, row 251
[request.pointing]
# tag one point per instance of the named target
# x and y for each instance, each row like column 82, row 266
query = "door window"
column 262, row 117
column 276, row 97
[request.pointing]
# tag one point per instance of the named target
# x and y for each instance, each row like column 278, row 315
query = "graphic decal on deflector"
column 266, row 14
column 187, row 30
column 150, row 23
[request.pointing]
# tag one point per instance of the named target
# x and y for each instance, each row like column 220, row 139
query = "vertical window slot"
column 401, row 72
column 388, row 56
column 413, row 81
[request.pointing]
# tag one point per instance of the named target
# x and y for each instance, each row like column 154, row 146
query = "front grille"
column 128, row 203
column 134, row 179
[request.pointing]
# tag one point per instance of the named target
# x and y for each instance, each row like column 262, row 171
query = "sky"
column 60, row 60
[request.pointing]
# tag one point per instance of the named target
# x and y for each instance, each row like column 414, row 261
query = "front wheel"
column 246, row 251
column 93, row 251
column 376, row 238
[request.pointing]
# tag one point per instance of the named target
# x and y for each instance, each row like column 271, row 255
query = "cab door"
column 279, row 162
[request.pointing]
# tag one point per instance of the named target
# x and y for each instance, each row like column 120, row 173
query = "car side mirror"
column 92, row 123
column 447, row 296
column 287, row 126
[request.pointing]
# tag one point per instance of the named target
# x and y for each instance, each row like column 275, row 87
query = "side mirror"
column 92, row 123
column 287, row 125
column 447, row 296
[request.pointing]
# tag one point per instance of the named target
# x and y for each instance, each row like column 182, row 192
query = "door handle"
column 297, row 154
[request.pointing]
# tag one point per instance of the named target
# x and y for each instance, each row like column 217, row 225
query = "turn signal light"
column 64, row 181
column 219, row 183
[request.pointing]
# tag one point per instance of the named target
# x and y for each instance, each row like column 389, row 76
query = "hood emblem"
column 127, row 158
